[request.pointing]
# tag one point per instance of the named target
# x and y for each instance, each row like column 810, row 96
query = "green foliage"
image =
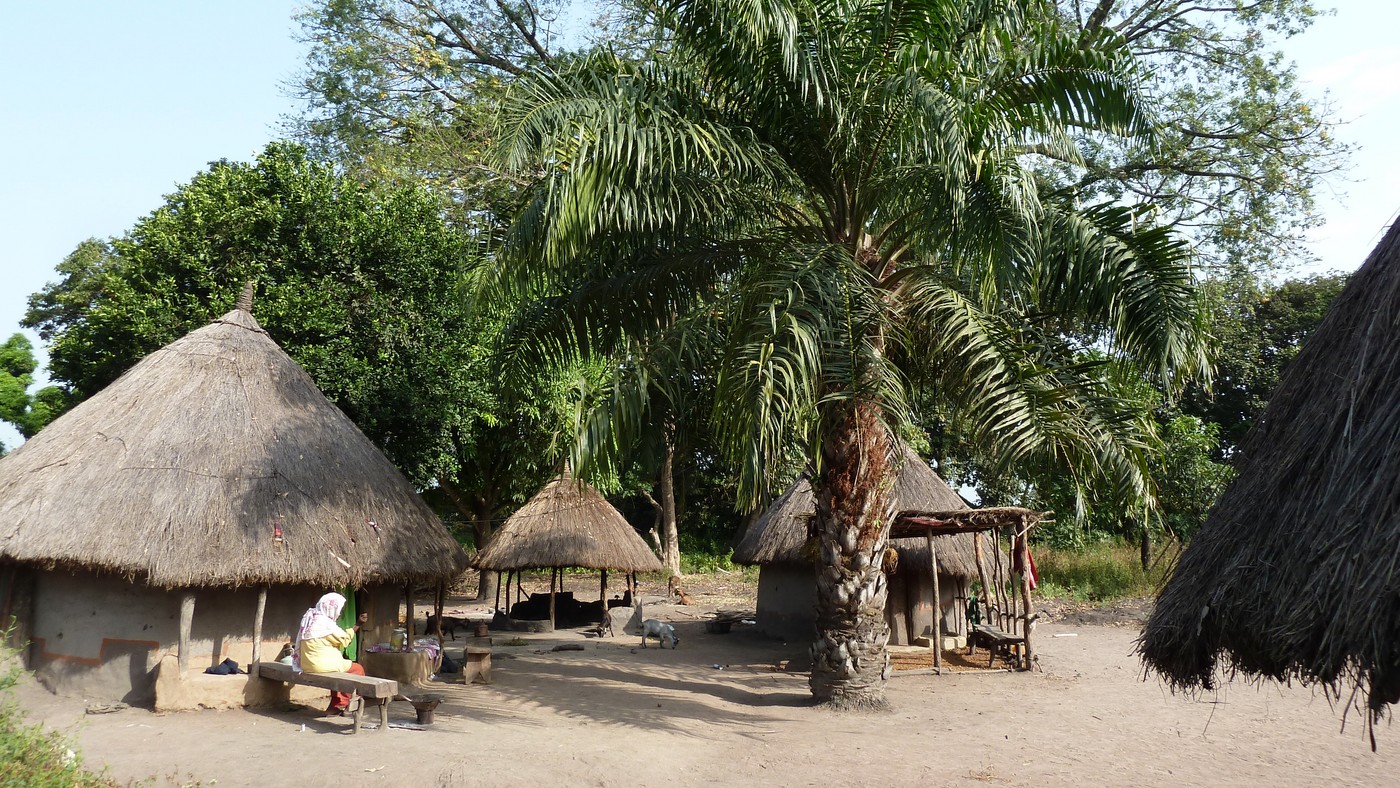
column 1097, row 572
column 28, row 411
column 734, row 173
column 31, row 757
column 1260, row 328
column 1241, row 147
column 1188, row 475
column 709, row 562
column 360, row 282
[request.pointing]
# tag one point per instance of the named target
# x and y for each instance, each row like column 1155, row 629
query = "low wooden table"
column 375, row 691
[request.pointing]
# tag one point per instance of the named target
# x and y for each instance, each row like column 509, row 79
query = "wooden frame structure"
column 1012, row 620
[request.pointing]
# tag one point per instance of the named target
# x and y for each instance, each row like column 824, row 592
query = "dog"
column 450, row 626
column 651, row 628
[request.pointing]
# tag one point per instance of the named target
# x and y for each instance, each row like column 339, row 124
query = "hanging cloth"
column 349, row 616
column 1021, row 570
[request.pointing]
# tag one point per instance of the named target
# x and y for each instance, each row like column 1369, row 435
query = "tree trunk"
column 480, row 517
column 1146, row 546
column 670, row 530
column 849, row 662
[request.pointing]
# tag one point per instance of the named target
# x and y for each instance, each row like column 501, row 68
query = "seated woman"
column 319, row 644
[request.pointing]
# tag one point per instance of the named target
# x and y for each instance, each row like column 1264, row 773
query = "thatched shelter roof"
column 1296, row 572
column 779, row 536
column 180, row 472
column 568, row 523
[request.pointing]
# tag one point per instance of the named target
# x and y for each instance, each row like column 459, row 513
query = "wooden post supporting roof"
column 1026, row 596
column 553, row 575
column 937, row 604
column 186, row 622
column 257, row 627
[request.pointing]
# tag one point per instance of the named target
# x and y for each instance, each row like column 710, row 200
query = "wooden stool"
column 476, row 665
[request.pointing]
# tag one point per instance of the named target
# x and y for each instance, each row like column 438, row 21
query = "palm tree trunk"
column 849, row 662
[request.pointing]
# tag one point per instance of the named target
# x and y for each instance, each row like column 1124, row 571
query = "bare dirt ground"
column 617, row 715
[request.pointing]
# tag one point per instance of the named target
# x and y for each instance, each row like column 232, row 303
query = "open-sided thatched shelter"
column 787, row 584
column 1296, row 572
column 211, row 485
column 566, row 524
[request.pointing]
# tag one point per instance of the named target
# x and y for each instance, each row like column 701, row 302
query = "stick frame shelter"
column 1019, row 522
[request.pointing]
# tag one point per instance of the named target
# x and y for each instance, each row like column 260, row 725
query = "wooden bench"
column 993, row 638
column 476, row 665
column 376, row 692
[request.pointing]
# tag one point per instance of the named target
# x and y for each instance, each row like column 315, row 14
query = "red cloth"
column 341, row 700
column 1021, row 570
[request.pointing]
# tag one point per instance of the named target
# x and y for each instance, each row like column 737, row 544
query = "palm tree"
column 848, row 189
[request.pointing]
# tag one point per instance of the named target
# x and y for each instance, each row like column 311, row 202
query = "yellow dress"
column 322, row 655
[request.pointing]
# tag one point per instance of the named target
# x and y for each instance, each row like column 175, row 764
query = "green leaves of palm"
column 845, row 185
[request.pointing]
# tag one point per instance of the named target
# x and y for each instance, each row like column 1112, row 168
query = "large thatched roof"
column 179, row 472
column 1296, row 572
column 568, row 523
column 781, row 533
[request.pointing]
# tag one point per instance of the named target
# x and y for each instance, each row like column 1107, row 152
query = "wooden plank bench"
column 476, row 665
column 375, row 691
column 994, row 638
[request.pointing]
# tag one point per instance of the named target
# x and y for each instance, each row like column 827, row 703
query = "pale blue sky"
column 106, row 107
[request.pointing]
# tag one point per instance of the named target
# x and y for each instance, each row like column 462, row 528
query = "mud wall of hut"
column 787, row 597
column 103, row 637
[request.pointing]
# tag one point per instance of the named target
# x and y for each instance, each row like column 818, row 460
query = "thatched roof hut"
column 1294, row 573
column 777, row 542
column 182, row 472
column 567, row 524
column 779, row 536
column 212, row 472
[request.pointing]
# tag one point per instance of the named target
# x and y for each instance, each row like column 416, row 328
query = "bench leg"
column 383, row 715
column 359, row 714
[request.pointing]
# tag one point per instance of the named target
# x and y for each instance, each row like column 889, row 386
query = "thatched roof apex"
column 182, row 470
column 1293, row 574
column 778, row 537
column 568, row 523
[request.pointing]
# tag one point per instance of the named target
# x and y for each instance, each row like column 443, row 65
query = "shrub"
column 31, row 757
column 1096, row 573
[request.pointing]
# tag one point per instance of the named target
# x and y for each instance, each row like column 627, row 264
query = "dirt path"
column 609, row 717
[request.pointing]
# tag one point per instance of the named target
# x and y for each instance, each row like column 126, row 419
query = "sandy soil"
column 617, row 715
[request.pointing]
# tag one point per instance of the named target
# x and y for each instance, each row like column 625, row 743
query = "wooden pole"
column 257, row 629
column 998, row 581
column 552, row 576
column 603, row 589
column 186, row 621
column 1026, row 594
column 497, row 608
column 408, row 595
column 982, row 575
column 937, row 603
column 441, row 601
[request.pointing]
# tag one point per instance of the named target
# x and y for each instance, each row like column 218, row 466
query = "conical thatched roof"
column 780, row 534
column 567, row 524
column 180, row 471
column 1296, row 572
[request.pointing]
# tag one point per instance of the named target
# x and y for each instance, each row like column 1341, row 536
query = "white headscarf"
column 318, row 622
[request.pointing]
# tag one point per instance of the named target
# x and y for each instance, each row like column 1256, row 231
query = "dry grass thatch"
column 181, row 470
column 780, row 535
column 1294, row 574
column 566, row 524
